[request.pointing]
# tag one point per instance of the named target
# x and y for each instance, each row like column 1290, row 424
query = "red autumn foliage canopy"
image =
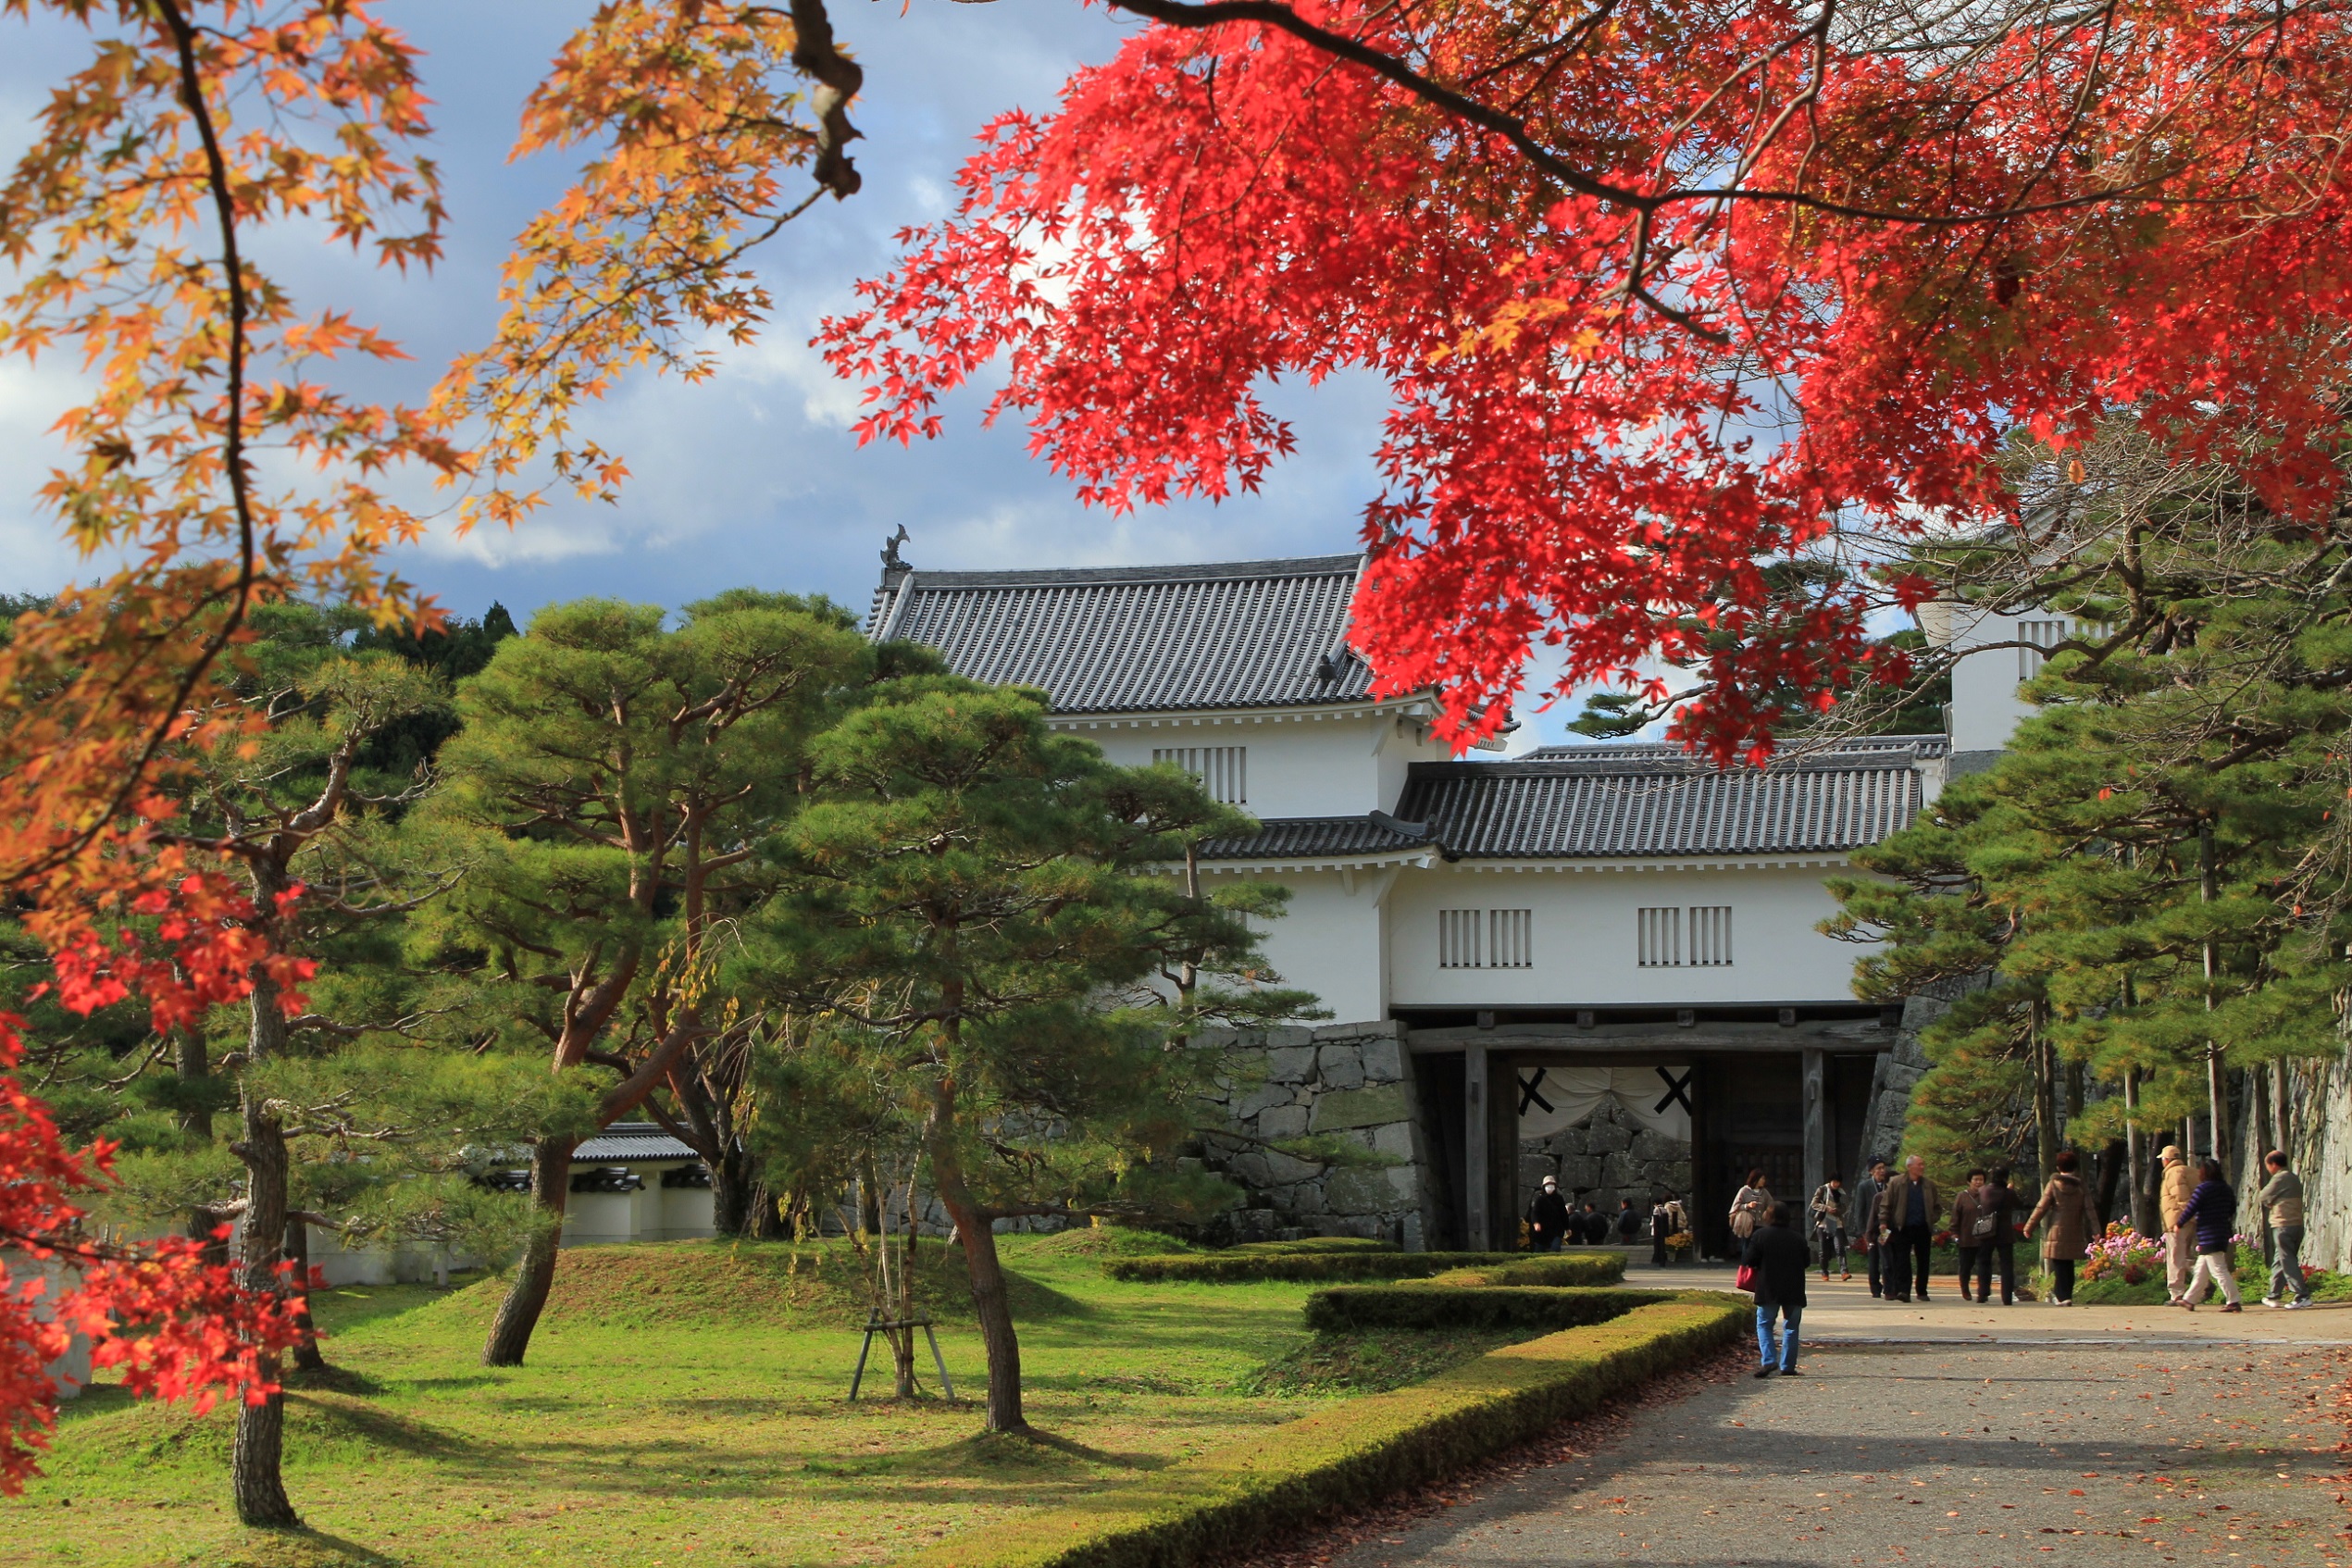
column 1664, row 293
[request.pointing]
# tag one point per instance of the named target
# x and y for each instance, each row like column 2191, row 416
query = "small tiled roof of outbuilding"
column 631, row 1140
column 1247, row 634
column 1309, row 838
column 1579, row 802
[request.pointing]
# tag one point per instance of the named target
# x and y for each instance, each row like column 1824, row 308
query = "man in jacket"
column 2282, row 1200
column 1778, row 1254
column 1907, row 1213
column 1863, row 1221
column 1964, row 1213
column 2172, row 1201
column 1548, row 1217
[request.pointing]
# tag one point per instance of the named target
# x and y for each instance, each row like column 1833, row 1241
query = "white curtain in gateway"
column 1554, row 1099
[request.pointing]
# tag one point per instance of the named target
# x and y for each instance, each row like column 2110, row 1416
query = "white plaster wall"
column 1329, row 942
column 1298, row 765
column 1583, row 938
column 1985, row 707
column 685, row 1212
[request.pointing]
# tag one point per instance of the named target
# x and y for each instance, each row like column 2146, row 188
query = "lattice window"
column 2042, row 635
column 1711, row 934
column 1223, row 771
column 1511, row 939
column 1458, row 939
column 1658, row 938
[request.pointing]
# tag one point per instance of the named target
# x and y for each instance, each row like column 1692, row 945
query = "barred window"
column 1658, row 938
column 1711, row 934
column 1511, row 939
column 1458, row 933
column 2042, row 635
column 1222, row 770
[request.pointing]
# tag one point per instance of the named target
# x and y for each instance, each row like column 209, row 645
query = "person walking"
column 1828, row 1209
column 1548, row 1217
column 1592, row 1226
column 2282, row 1200
column 1779, row 1255
column 2212, row 1212
column 1997, row 1209
column 1667, row 1217
column 1628, row 1222
column 1906, row 1212
column 1964, row 1215
column 1749, row 1207
column 2173, row 1200
column 2067, row 1205
column 1863, row 1221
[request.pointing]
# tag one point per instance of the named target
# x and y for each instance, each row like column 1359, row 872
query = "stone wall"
column 1350, row 1080
column 1607, row 1157
column 1897, row 1073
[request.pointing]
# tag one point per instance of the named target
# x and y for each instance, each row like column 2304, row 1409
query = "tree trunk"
column 551, row 1186
column 989, row 1303
column 2217, row 1089
column 259, row 1445
column 2045, row 1099
column 767, row 1222
column 193, row 1065
column 2111, row 1171
column 736, row 1190
column 306, row 1354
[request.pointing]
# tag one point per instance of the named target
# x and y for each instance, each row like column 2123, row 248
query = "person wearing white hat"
column 1548, row 1217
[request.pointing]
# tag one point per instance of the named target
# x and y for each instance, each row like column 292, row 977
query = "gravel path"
column 1969, row 1456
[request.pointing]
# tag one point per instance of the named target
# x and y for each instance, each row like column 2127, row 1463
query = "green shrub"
column 1358, row 1451
column 1535, row 1307
column 1319, row 1244
column 1236, row 1265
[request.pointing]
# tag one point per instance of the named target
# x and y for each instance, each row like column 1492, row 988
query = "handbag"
column 1984, row 1226
column 1745, row 1278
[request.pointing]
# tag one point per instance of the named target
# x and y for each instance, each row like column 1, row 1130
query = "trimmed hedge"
column 1357, row 1452
column 1235, row 1266
column 1538, row 1309
column 1320, row 1244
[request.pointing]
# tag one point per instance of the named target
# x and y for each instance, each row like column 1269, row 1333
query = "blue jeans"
column 1780, row 1353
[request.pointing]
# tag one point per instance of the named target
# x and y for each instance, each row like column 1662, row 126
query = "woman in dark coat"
column 2212, row 1212
column 1780, row 1258
column 2067, row 1203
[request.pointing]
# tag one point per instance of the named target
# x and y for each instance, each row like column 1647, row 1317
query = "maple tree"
column 210, row 459
column 1662, row 292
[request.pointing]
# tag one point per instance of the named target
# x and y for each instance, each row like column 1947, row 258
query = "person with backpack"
column 1774, row 1259
column 2212, row 1213
column 1828, row 1209
column 2067, row 1205
column 1995, row 1233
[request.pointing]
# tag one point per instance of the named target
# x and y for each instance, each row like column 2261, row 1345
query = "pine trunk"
column 306, row 1354
column 255, row 1452
column 989, row 1303
column 735, row 1191
column 551, row 1183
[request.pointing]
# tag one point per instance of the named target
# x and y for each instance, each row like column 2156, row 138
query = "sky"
column 751, row 477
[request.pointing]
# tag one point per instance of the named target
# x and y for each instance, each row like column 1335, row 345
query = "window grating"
column 1223, row 771
column 1658, row 938
column 2042, row 635
column 1711, row 934
column 1511, row 939
column 1458, row 933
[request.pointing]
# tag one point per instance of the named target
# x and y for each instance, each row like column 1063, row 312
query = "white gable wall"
column 1329, row 941
column 1986, row 707
column 1584, row 929
column 1297, row 764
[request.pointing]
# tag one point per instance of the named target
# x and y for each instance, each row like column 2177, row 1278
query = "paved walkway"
column 1952, row 1437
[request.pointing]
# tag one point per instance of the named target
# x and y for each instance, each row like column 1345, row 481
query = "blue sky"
column 751, row 477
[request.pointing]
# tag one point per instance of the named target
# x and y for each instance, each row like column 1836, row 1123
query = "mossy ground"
column 684, row 1403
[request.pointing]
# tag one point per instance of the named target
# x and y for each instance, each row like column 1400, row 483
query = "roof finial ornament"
column 890, row 558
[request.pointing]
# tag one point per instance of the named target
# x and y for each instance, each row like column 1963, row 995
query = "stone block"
column 1377, row 1029
column 1384, row 1060
column 1290, row 1065
column 1288, row 1037
column 1395, row 1140
column 1263, row 1096
column 1340, row 1065
column 1569, row 1141
column 1532, row 1173
column 1370, row 1107
column 1282, row 1121
column 1607, row 1137
column 1578, row 1172
column 1404, row 1186
column 1359, row 1193
column 1307, row 1198
column 1650, row 1145
column 1620, row 1172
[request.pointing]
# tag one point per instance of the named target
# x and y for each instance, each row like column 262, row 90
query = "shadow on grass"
column 301, row 1548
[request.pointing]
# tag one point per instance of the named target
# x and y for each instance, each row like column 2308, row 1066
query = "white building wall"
column 1330, row 942
column 1341, row 764
column 1986, row 707
column 1585, row 938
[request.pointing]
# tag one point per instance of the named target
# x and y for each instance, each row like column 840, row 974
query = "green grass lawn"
column 684, row 1404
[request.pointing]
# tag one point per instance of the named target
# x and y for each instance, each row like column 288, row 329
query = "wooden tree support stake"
column 876, row 1324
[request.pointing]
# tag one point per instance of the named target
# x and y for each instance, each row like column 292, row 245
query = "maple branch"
column 837, row 79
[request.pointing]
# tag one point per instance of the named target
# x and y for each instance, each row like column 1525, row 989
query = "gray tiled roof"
column 1249, row 634
column 631, row 1140
column 1582, row 806
column 1312, row 837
